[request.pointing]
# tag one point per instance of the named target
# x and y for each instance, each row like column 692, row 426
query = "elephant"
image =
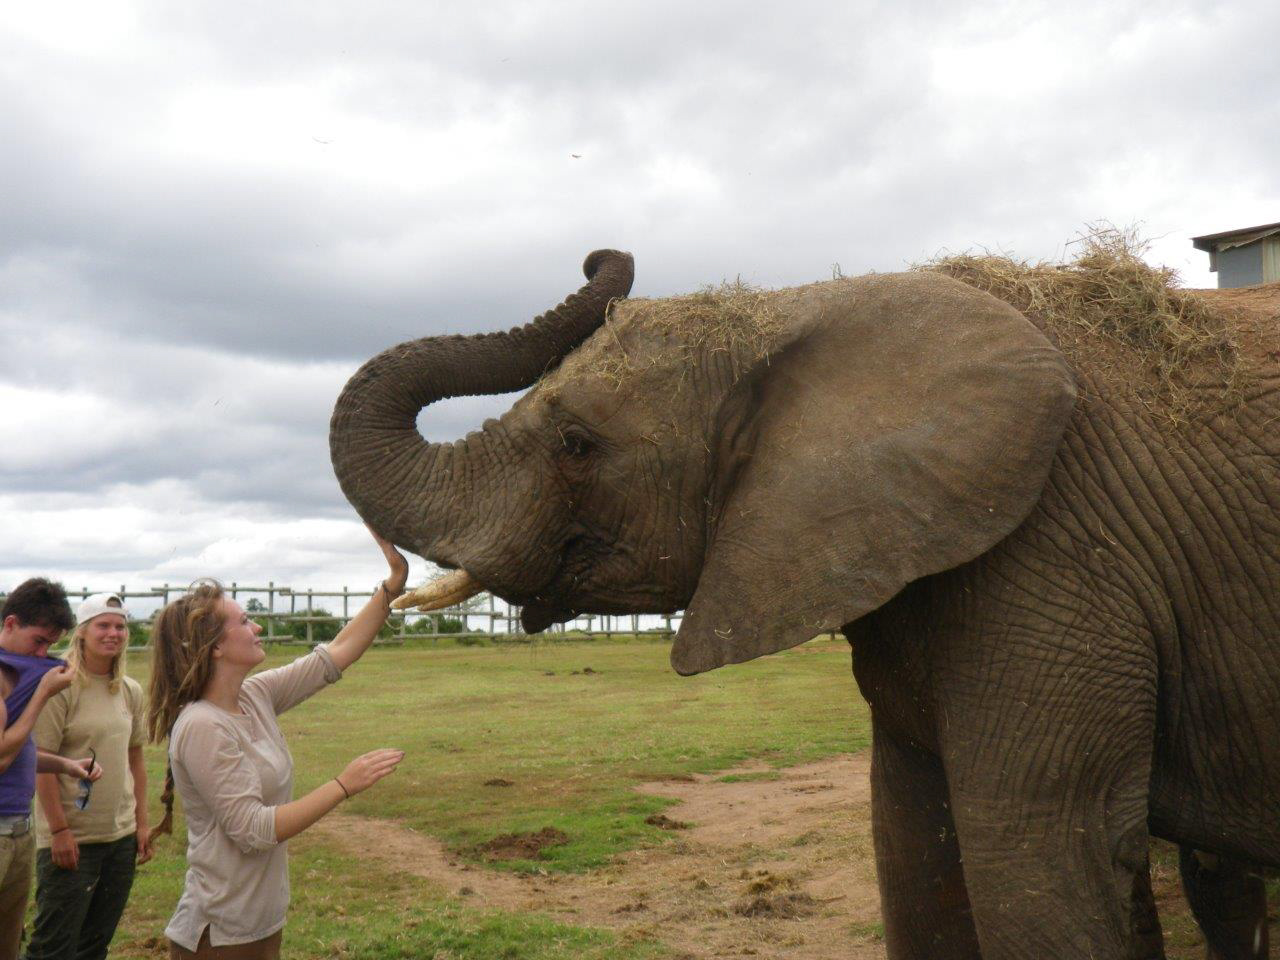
column 1060, row 590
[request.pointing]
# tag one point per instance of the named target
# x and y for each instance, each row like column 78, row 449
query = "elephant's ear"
column 907, row 427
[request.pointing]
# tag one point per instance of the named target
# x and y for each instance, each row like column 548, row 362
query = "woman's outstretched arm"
column 356, row 637
column 361, row 773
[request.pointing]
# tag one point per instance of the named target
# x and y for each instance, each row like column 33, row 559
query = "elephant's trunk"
column 391, row 475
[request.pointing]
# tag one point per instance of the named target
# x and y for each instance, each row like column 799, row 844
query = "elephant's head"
column 775, row 464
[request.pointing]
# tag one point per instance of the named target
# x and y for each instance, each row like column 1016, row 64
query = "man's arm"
column 47, row 762
column 15, row 735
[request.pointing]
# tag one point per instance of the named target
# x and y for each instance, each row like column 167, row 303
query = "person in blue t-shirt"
column 34, row 617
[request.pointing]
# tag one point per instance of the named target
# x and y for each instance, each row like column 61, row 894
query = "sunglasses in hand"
column 86, row 785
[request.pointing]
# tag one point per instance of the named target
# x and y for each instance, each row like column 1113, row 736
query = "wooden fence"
column 290, row 615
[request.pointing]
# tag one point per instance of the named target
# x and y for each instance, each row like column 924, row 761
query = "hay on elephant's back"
column 1111, row 310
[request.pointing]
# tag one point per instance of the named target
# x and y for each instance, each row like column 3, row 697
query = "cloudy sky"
column 211, row 213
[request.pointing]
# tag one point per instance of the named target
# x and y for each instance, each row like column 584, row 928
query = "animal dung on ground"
column 520, row 846
column 663, row 822
column 790, row 905
column 764, row 882
column 499, row 782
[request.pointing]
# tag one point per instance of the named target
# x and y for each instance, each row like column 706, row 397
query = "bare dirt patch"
column 767, row 868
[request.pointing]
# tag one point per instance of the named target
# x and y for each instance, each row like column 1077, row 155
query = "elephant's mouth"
column 536, row 617
column 584, row 565
column 595, row 576
column 550, row 603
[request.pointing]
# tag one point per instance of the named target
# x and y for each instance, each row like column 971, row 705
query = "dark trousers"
column 77, row 910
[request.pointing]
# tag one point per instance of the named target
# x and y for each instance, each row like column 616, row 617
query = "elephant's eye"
column 577, row 445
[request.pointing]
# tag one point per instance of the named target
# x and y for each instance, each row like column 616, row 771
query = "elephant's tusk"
column 439, row 593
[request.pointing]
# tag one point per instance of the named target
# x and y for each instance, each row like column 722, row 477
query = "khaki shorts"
column 17, row 864
column 267, row 948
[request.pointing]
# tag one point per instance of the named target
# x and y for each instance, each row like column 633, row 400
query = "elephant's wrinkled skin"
column 1064, row 613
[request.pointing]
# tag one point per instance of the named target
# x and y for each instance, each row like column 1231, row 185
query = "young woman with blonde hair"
column 231, row 768
column 90, row 837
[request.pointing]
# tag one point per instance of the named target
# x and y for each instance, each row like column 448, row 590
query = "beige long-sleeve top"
column 231, row 772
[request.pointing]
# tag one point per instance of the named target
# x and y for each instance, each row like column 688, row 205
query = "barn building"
column 1242, row 257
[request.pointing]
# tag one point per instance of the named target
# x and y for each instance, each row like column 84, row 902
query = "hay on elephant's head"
column 1110, row 306
column 735, row 318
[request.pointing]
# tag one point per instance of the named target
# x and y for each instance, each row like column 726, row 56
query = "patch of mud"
column 520, row 846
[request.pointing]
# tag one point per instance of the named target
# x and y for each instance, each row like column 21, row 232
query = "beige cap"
column 97, row 604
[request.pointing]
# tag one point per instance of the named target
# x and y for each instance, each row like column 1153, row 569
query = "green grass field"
column 571, row 743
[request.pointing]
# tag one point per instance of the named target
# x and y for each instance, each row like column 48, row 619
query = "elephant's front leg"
column 1048, row 751
column 922, row 892
column 1052, row 881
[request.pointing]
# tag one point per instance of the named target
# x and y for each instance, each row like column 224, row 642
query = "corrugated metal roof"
column 1213, row 242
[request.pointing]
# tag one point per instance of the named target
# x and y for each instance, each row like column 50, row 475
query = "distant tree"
column 254, row 605
column 436, row 623
column 322, row 631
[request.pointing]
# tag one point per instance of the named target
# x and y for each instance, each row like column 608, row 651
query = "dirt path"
column 779, row 864
column 767, row 868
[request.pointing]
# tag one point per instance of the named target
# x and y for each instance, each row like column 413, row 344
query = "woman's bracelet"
column 54, row 833
column 345, row 793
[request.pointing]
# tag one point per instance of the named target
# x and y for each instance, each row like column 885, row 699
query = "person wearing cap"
column 89, row 838
column 33, row 618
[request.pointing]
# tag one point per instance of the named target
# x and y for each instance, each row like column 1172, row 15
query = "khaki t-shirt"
column 88, row 715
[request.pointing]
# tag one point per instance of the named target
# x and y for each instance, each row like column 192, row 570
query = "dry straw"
column 734, row 318
column 1119, row 318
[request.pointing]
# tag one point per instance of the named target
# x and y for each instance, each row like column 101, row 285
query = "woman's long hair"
column 183, row 636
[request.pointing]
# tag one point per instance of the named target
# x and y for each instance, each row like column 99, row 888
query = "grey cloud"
column 230, row 212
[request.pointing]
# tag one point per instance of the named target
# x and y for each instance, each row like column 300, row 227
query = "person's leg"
column 62, row 900
column 116, row 866
column 16, row 856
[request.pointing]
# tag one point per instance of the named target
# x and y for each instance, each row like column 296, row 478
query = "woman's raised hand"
column 364, row 771
column 399, row 566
